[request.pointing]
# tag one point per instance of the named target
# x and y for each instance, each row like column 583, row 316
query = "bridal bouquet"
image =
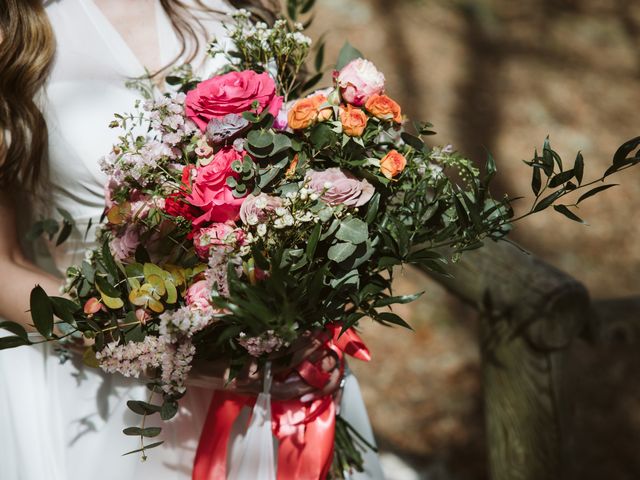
column 246, row 216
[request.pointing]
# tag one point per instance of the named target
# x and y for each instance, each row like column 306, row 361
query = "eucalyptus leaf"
column 341, row 251
column 353, row 230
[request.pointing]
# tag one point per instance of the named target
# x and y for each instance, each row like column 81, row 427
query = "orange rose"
column 353, row 121
column 382, row 107
column 392, row 164
column 304, row 112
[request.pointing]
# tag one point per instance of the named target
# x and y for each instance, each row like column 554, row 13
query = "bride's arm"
column 18, row 276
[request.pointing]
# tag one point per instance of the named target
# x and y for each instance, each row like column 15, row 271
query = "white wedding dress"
column 64, row 422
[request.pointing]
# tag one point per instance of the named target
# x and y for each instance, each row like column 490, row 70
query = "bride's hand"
column 249, row 381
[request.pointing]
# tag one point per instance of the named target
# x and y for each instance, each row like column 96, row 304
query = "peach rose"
column 353, row 120
column 304, row 112
column 382, row 107
column 392, row 164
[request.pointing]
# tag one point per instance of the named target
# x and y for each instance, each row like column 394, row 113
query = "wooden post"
column 529, row 314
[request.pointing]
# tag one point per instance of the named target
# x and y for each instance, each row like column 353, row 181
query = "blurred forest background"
column 501, row 75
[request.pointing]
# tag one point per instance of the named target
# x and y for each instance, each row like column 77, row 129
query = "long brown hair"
column 27, row 49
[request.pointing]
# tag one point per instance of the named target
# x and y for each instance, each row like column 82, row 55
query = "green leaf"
column 16, row 329
column 413, row 141
column 564, row 210
column 312, row 244
column 41, row 311
column 66, row 215
column 341, row 251
column 347, row 54
column 594, row 191
column 151, row 432
column 319, row 60
column 66, row 230
column 260, row 139
column 547, row 201
column 143, row 408
column 169, row 410
column 88, row 272
column 51, row 227
column 372, row 208
column 578, row 168
column 389, row 317
column 536, row 181
column 12, row 342
column 146, row 447
column 384, row 302
column 560, row 178
column 64, row 309
column 353, row 230
column 621, row 155
column 322, row 136
column 280, row 144
column 134, row 270
column 109, row 262
column 388, row 262
column 105, row 287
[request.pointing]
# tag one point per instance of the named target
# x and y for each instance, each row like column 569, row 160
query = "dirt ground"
column 502, row 75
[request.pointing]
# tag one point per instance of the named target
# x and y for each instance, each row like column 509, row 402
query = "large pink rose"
column 199, row 295
column 232, row 92
column 339, row 187
column 359, row 80
column 210, row 191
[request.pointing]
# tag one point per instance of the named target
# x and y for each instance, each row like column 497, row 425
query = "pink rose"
column 124, row 246
column 216, row 235
column 339, row 187
column 199, row 295
column 359, row 80
column 210, row 191
column 232, row 92
column 256, row 208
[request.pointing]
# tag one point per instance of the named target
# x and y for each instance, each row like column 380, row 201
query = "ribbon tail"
column 211, row 456
column 350, row 343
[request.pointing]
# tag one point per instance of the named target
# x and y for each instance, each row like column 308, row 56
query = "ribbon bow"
column 304, row 431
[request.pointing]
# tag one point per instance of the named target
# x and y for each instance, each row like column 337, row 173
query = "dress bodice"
column 86, row 88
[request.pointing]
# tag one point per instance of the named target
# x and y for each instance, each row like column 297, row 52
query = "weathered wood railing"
column 529, row 314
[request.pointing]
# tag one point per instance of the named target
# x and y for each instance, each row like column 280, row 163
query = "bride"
column 63, row 68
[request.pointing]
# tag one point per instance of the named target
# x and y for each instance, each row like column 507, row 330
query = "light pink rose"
column 216, row 235
column 210, row 191
column 232, row 92
column 124, row 246
column 339, row 187
column 199, row 295
column 256, row 208
column 359, row 80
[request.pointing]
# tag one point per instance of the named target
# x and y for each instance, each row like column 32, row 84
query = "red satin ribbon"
column 305, row 431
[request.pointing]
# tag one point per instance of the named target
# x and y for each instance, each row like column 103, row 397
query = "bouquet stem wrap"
column 304, row 431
